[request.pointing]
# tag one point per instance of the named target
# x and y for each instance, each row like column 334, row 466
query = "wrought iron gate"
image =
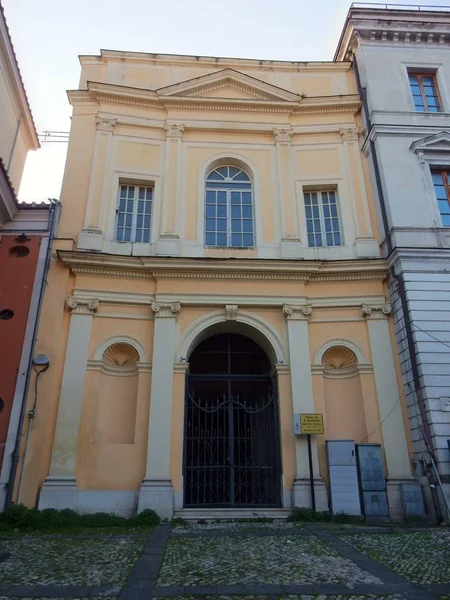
column 231, row 453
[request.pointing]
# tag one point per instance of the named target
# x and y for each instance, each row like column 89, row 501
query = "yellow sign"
column 312, row 423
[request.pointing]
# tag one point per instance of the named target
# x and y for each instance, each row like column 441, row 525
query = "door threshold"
column 231, row 514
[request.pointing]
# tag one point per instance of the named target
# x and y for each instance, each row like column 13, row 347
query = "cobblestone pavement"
column 253, row 559
column 230, row 561
column 418, row 557
column 53, row 561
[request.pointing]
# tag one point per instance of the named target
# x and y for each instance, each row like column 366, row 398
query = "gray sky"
column 48, row 36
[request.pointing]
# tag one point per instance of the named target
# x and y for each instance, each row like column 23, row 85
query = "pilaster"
column 390, row 405
column 169, row 241
column 290, row 245
column 365, row 244
column 91, row 238
column 60, row 488
column 156, row 490
column 303, row 402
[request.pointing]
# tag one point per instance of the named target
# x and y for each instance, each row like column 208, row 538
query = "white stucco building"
column 402, row 57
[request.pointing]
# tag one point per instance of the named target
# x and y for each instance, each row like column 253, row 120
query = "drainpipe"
column 52, row 223
column 16, row 135
column 398, row 278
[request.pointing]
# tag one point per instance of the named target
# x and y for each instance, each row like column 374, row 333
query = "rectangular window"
column 134, row 213
column 441, row 182
column 229, row 218
column 322, row 218
column 425, row 92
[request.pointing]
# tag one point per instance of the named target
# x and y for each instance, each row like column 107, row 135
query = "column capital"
column 376, row 311
column 283, row 135
column 166, row 310
column 174, row 130
column 82, row 306
column 105, row 124
column 350, row 134
column 297, row 313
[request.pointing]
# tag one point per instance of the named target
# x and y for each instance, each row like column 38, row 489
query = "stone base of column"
column 58, row 492
column 394, row 495
column 157, row 494
column 301, row 494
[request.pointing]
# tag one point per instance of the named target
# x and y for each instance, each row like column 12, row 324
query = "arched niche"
column 115, row 419
column 344, row 406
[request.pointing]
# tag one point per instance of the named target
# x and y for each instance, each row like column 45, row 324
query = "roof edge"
column 4, row 29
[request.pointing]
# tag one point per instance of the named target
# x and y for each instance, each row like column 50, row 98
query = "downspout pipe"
column 389, row 246
column 52, row 223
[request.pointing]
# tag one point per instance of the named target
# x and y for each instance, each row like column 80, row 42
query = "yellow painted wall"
column 113, row 141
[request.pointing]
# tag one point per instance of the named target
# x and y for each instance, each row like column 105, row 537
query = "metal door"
column 231, row 450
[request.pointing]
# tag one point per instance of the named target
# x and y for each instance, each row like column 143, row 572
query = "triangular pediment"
column 228, row 84
column 439, row 142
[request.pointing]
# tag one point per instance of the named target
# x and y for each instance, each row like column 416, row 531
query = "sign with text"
column 311, row 423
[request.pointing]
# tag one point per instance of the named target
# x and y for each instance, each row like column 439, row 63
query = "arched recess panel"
column 344, row 404
column 115, row 419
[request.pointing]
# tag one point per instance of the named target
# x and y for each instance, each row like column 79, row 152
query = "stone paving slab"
column 253, row 559
column 349, row 596
column 69, row 561
column 421, row 558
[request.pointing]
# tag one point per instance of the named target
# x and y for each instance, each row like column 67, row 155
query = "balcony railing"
column 418, row 7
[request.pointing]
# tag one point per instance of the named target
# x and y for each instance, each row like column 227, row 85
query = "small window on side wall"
column 441, row 183
column 134, row 213
column 322, row 218
column 425, row 92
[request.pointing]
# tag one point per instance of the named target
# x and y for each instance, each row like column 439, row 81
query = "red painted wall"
column 16, row 286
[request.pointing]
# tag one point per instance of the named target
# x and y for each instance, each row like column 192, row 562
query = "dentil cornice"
column 245, row 269
column 117, row 94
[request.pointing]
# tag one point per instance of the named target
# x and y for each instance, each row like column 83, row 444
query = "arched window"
column 229, row 208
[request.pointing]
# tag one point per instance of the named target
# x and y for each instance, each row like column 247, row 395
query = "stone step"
column 231, row 514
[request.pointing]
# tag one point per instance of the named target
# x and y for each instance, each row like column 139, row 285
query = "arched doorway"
column 231, row 437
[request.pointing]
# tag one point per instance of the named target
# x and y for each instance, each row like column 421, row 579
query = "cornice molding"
column 401, row 28
column 93, row 263
column 209, row 61
column 116, row 94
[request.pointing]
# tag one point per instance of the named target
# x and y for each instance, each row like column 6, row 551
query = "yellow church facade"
column 216, row 273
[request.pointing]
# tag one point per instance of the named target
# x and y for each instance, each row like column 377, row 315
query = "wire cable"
column 430, row 335
column 381, row 422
